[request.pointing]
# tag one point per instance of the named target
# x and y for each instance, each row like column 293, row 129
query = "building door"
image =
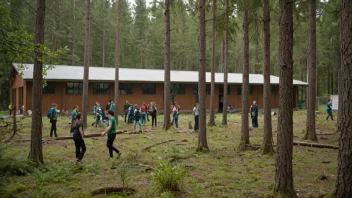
column 20, row 107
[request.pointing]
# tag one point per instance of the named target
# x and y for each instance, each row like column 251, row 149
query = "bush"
column 167, row 178
column 10, row 165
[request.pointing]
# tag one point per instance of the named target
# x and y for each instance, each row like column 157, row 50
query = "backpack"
column 49, row 113
column 131, row 111
column 137, row 114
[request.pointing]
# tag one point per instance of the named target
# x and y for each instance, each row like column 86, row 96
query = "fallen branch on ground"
column 109, row 190
column 315, row 145
column 149, row 147
column 147, row 167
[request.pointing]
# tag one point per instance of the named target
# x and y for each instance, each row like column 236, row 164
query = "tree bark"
column 117, row 61
column 212, row 85
column 268, row 135
column 245, row 83
column 74, row 40
column 167, row 95
column 226, row 53
column 87, row 54
column 312, row 75
column 36, row 152
column 202, row 136
column 283, row 170
column 344, row 170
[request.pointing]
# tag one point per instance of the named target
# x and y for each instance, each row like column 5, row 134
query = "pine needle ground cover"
column 223, row 172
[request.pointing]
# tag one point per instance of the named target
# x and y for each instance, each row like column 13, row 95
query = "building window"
column 221, row 90
column 74, row 88
column 101, row 88
column 239, row 90
column 125, row 88
column 149, row 88
column 178, row 89
column 49, row 88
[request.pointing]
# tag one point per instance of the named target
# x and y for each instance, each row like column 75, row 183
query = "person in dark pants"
column 111, row 131
column 78, row 137
column 53, row 120
column 175, row 110
column 196, row 117
column 125, row 110
column 329, row 109
column 10, row 109
column 108, row 106
column 254, row 114
column 153, row 114
column 130, row 114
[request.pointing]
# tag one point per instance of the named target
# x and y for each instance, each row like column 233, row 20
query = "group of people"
column 140, row 114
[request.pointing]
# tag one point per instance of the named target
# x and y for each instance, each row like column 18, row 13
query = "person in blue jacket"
column 329, row 109
column 254, row 114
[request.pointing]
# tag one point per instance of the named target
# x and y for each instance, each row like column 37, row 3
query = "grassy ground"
column 223, row 172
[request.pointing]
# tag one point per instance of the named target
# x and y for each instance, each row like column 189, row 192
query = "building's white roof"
column 63, row 72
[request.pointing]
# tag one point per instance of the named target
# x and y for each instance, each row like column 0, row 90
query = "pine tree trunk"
column 267, row 142
column 104, row 47
column 202, row 137
column 283, row 171
column 117, row 61
column 212, row 85
column 344, row 170
column 226, row 53
column 312, row 75
column 245, row 83
column 74, row 40
column 87, row 54
column 36, row 152
column 167, row 95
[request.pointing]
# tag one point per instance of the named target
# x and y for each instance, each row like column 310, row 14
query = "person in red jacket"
column 144, row 109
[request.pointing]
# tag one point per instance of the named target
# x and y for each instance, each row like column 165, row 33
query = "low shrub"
column 167, row 178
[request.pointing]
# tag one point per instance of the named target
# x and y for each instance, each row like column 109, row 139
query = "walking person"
column 78, row 137
column 196, row 117
column 112, row 106
column 98, row 114
column 53, row 119
column 74, row 113
column 126, row 106
column 137, row 118
column 329, row 109
column 254, row 114
column 10, row 109
column 111, row 131
column 144, row 112
column 130, row 114
column 175, row 111
column 153, row 113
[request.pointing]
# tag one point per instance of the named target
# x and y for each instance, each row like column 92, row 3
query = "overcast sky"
column 133, row 2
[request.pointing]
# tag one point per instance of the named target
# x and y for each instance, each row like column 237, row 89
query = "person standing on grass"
column 137, row 118
column 196, row 117
column 125, row 110
column 130, row 114
column 53, row 120
column 10, row 109
column 74, row 114
column 112, row 106
column 153, row 113
column 108, row 105
column 329, row 109
column 175, row 110
column 98, row 114
column 78, row 137
column 111, row 131
column 254, row 114
column 144, row 112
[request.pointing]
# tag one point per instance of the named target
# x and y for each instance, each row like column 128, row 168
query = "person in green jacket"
column 74, row 113
column 53, row 120
column 111, row 131
column 112, row 106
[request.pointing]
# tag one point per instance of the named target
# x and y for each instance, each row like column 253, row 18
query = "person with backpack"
column 111, row 131
column 196, row 117
column 137, row 118
column 254, row 114
column 112, row 105
column 52, row 115
column 126, row 106
column 329, row 109
column 74, row 113
column 108, row 106
column 175, row 110
column 78, row 137
column 153, row 113
column 130, row 114
column 144, row 109
column 99, row 114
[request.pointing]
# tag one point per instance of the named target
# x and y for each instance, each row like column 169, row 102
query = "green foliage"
column 168, row 178
column 124, row 171
column 10, row 165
